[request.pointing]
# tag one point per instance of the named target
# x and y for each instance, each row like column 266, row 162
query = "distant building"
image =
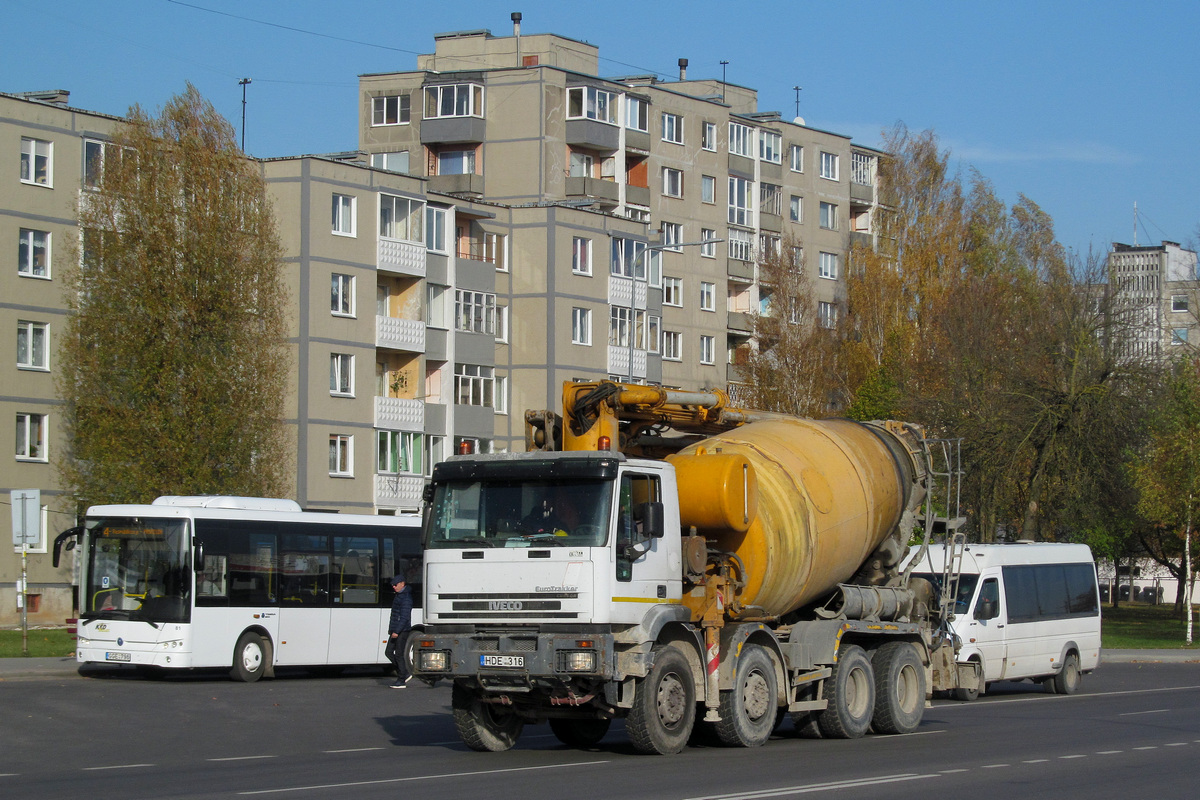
column 1157, row 287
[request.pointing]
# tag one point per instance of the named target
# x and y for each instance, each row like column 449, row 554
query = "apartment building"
column 1158, row 288
column 526, row 121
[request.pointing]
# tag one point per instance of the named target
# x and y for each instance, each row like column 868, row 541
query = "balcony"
column 618, row 361
column 394, row 333
column 398, row 491
column 400, row 257
column 456, row 184
column 638, row 195
column 592, row 134
column 861, row 238
column 861, row 193
column 740, row 270
column 739, row 321
column 399, row 414
column 598, row 188
column 453, row 130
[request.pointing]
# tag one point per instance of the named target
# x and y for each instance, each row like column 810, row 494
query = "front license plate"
column 502, row 661
column 117, row 657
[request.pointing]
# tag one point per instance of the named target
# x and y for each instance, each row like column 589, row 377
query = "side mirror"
column 987, row 610
column 198, row 558
column 70, row 538
column 652, row 520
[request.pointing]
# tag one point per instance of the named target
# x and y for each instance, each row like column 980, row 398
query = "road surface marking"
column 1150, row 747
column 420, row 778
column 1176, row 744
column 953, row 771
column 354, row 750
column 1036, row 761
column 995, row 766
column 816, row 787
column 117, row 766
column 238, row 758
column 1139, row 713
column 1072, row 756
column 1109, row 752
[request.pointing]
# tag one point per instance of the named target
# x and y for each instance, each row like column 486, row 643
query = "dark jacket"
column 401, row 611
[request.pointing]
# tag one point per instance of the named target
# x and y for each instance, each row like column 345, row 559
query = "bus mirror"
column 68, row 537
column 199, row 557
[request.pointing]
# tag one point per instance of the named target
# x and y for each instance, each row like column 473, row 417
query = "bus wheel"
column 579, row 732
column 1067, row 679
column 748, row 709
column 850, row 691
column 899, row 688
column 483, row 726
column 664, row 705
column 249, row 658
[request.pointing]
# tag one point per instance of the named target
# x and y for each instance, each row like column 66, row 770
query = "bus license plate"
column 117, row 657
column 502, row 661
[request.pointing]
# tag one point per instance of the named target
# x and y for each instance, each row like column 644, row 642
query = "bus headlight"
column 578, row 661
column 433, row 660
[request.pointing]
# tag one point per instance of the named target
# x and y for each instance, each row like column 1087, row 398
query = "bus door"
column 355, row 636
column 987, row 628
column 305, row 565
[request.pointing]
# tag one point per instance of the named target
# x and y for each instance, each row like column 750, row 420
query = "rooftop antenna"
column 797, row 88
column 1135, row 223
column 724, row 64
column 244, row 82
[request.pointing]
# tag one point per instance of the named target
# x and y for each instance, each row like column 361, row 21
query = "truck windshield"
column 138, row 569
column 519, row 513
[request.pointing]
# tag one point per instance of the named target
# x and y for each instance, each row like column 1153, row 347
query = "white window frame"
column 672, row 128
column 582, row 165
column 637, row 114
column 672, row 237
column 341, row 455
column 475, row 383
column 470, row 94
column 398, row 161
column 827, row 266
column 27, row 248
column 401, row 218
column 32, row 436
column 1179, row 336
column 770, row 147
column 35, row 152
column 708, row 189
column 620, row 330
column 796, row 157
column 501, row 324
column 770, row 198
column 475, row 312
column 404, row 449
column 436, row 238
column 500, row 394
column 581, row 326
column 708, row 349
column 708, row 136
column 829, row 216
column 345, row 215
column 709, row 248
column 437, row 306
column 625, row 258
column 741, row 200
column 495, row 250
column 1179, row 303
column 830, row 165
column 341, row 375
column 672, row 182
column 827, row 314
column 796, row 208
column 591, row 102
column 402, row 112
column 741, row 140
column 741, row 245
column 456, row 161
column 581, row 255
column 672, row 346
column 708, row 296
column 27, row 350
column 672, row 291
column 341, row 297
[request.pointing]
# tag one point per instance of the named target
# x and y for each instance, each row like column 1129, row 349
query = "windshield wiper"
column 477, row 540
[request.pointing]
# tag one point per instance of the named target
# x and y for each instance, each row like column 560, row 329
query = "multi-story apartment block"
column 1158, row 291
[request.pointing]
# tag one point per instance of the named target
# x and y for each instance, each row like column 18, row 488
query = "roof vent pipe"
column 683, row 69
column 516, row 21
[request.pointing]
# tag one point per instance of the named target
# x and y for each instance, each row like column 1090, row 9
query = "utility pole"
column 244, row 82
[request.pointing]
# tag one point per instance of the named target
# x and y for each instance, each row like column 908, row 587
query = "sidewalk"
column 21, row 669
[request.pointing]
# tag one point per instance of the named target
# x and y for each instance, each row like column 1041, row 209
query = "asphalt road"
column 1133, row 731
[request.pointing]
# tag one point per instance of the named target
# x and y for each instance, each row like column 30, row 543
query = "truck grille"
column 541, row 605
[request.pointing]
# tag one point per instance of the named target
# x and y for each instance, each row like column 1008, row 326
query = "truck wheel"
column 249, row 658
column 899, row 688
column 966, row 694
column 748, row 710
column 850, row 691
column 579, row 732
column 1067, row 679
column 664, row 707
column 483, row 726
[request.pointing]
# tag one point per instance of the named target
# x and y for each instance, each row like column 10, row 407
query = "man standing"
column 399, row 627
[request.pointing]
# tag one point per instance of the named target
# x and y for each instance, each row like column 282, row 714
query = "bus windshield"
column 138, row 568
column 519, row 513
column 967, row 582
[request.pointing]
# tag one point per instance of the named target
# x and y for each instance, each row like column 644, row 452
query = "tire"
column 899, row 688
column 968, row 695
column 249, row 658
column 482, row 726
column 581, row 733
column 664, row 708
column 748, row 710
column 1067, row 679
column 850, row 691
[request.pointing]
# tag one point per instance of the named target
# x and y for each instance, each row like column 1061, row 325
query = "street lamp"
column 243, row 82
column 638, row 259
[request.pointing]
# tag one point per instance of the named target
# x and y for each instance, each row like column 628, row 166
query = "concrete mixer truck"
column 660, row 557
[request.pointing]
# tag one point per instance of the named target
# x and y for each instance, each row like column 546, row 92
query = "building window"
column 500, row 394
column 708, row 296
column 343, row 214
column 31, row 437
column 36, row 161
column 392, row 162
column 436, row 306
column 501, row 324
column 390, row 110
column 1179, row 302
column 401, row 218
column 32, row 352
column 797, row 209
column 708, row 350
column 581, row 256
column 829, row 216
column 672, row 345
column 625, row 260
column 828, row 266
column 770, row 199
column 341, row 301
column 741, row 200
column 398, row 452
column 770, row 147
column 33, row 254
column 1179, row 336
column 672, row 128
column 637, row 112
column 709, row 248
column 796, row 158
column 435, row 229
column 473, row 385
column 673, row 291
column 341, row 374
column 588, row 102
column 341, row 455
column 475, row 312
column 708, row 136
column 827, row 315
column 672, row 236
column 741, row 245
column 581, row 326
column 583, row 165
column 454, row 100
column 708, row 189
column 433, row 452
column 494, row 251
column 96, row 154
column 455, row 162
column 829, row 165
column 672, row 182
column 769, row 246
column 741, row 138
column 620, row 329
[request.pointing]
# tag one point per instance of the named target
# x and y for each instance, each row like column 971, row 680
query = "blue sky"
column 1085, row 107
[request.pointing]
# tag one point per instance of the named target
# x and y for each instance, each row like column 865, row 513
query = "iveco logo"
column 504, row 605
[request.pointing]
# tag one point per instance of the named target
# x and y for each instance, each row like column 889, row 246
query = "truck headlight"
column 433, row 660
column 579, row 661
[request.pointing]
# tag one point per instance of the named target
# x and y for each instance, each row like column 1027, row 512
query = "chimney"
column 516, row 19
column 683, row 69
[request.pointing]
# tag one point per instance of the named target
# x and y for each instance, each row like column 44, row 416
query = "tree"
column 174, row 360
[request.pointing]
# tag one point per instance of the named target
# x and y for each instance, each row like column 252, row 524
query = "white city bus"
column 248, row 584
column 1023, row 610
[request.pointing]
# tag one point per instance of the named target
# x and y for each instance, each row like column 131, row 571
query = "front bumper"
column 515, row 659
